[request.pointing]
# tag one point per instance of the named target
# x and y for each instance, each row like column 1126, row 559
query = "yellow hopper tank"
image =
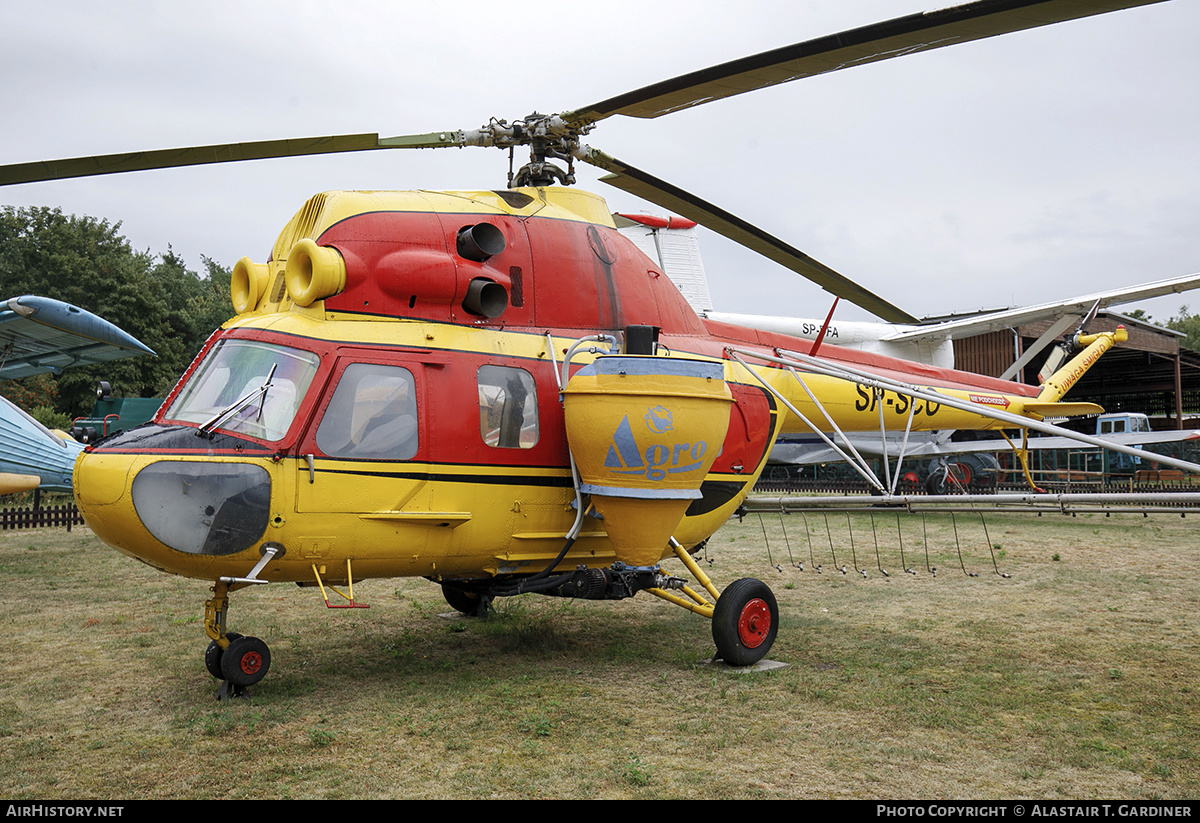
column 644, row 431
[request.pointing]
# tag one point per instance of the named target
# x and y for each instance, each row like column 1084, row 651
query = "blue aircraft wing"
column 39, row 334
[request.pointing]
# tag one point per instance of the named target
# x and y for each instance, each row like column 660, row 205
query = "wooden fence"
column 35, row 517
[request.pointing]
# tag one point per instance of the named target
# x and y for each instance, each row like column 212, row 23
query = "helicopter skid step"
column 347, row 595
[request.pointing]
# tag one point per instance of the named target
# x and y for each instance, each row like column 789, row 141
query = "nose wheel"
column 239, row 662
column 244, row 663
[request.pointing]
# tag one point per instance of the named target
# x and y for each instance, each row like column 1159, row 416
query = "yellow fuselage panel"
column 446, row 528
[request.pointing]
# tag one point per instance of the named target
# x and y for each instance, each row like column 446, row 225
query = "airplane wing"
column 1044, row 443
column 996, row 321
column 800, row 450
column 39, row 334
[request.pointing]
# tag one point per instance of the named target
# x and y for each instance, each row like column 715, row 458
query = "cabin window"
column 508, row 417
column 230, row 389
column 372, row 415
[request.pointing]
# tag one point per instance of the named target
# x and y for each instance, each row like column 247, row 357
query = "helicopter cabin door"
column 359, row 465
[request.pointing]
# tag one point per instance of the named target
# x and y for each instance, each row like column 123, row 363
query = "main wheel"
column 745, row 621
column 468, row 602
column 213, row 654
column 246, row 661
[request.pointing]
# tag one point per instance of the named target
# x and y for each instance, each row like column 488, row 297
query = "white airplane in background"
column 673, row 243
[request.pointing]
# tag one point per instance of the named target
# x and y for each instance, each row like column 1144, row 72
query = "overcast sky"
column 1034, row 166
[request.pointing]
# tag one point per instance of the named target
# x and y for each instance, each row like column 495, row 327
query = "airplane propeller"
column 553, row 137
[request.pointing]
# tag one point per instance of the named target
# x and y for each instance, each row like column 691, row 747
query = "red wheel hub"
column 754, row 623
column 251, row 662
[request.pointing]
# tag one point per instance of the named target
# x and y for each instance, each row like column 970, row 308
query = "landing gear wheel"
column 937, row 483
column 745, row 621
column 468, row 602
column 246, row 661
column 213, row 654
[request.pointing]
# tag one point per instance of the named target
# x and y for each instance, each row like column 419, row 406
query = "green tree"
column 87, row 262
column 1189, row 324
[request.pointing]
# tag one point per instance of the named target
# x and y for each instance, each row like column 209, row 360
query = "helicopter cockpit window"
column 372, row 415
column 508, row 417
column 247, row 386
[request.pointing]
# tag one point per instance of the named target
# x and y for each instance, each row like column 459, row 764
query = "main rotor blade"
column 650, row 188
column 219, row 153
column 880, row 41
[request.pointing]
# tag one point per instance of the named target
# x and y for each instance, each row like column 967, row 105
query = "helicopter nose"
column 205, row 508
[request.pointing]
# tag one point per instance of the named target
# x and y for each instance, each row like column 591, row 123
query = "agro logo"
column 625, row 456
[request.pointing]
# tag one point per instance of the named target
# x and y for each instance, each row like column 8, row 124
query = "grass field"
column 1076, row 677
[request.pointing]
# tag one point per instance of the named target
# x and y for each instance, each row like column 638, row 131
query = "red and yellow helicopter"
column 497, row 391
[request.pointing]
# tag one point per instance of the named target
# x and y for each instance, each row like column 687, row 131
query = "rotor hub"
column 549, row 137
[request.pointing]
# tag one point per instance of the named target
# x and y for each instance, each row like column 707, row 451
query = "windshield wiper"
column 261, row 392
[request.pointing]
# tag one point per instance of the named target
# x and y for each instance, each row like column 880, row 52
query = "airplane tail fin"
column 1059, row 383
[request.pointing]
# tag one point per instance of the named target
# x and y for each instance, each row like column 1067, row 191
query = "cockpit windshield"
column 248, row 387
